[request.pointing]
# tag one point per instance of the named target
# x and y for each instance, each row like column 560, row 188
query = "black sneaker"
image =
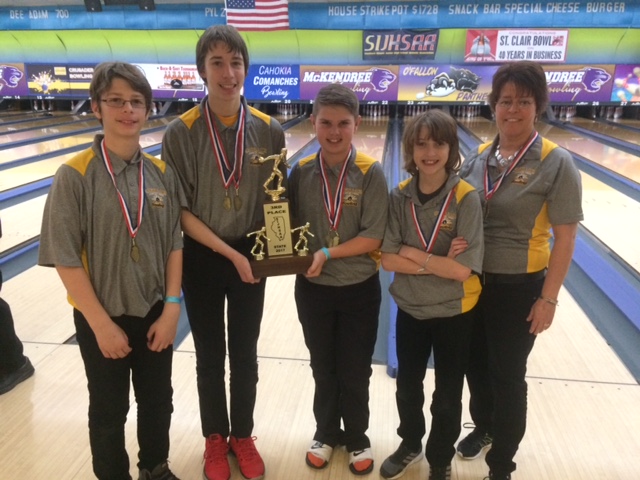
column 495, row 476
column 440, row 473
column 11, row 380
column 160, row 472
column 396, row 464
column 473, row 444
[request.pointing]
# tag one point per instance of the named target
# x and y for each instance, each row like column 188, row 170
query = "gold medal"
column 227, row 202
column 135, row 251
column 333, row 239
column 237, row 202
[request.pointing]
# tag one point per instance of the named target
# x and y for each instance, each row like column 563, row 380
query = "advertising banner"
column 272, row 83
column 13, row 81
column 174, row 81
column 55, row 80
column 437, row 83
column 579, row 84
column 626, row 84
column 370, row 84
column 545, row 46
column 399, row 45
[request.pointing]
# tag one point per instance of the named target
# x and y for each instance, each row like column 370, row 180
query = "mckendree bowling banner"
column 579, row 84
column 13, row 80
column 370, row 84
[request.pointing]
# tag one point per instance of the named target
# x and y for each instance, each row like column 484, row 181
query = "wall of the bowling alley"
column 298, row 47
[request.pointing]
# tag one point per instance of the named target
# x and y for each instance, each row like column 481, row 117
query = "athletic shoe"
column 495, row 476
column 318, row 455
column 160, row 472
column 249, row 460
column 397, row 463
column 440, row 473
column 9, row 381
column 216, row 463
column 361, row 461
column 473, row 444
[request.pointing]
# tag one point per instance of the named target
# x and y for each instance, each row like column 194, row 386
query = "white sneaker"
column 318, row 455
column 361, row 461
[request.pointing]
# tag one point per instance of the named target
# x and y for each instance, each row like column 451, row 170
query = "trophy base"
column 285, row 265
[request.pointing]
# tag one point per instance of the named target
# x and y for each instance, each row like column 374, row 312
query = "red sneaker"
column 249, row 460
column 216, row 464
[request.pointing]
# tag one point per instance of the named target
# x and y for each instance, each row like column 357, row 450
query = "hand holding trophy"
column 282, row 258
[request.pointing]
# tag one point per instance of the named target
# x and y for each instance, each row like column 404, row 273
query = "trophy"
column 281, row 257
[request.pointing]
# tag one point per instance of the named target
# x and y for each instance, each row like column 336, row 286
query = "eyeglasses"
column 521, row 104
column 116, row 102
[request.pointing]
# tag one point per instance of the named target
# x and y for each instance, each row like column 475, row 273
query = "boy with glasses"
column 111, row 228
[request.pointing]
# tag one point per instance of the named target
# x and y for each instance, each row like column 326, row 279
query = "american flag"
column 258, row 14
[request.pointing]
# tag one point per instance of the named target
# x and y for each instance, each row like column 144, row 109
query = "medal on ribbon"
column 229, row 173
column 333, row 204
column 429, row 244
column 133, row 231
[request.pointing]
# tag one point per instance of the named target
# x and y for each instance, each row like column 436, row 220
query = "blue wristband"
column 172, row 300
column 325, row 250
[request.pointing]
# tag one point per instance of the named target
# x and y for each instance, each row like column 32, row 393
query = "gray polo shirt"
column 430, row 296
column 364, row 212
column 544, row 189
column 83, row 226
column 187, row 148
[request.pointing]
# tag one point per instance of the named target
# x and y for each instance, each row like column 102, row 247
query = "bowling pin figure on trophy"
column 281, row 258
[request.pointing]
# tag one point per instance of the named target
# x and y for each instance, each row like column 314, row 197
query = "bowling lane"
column 20, row 117
column 609, row 157
column 371, row 136
column 67, row 128
column 608, row 129
column 69, row 141
column 23, row 174
column 609, row 214
column 42, row 122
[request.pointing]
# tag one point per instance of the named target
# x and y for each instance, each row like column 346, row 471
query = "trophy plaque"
column 274, row 252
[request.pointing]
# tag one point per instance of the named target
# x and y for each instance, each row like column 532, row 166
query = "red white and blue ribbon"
column 489, row 188
column 228, row 172
column 333, row 204
column 428, row 245
column 133, row 231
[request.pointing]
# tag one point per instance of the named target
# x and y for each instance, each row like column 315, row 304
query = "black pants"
column 450, row 339
column 500, row 347
column 108, row 383
column 340, row 325
column 208, row 280
column 11, row 357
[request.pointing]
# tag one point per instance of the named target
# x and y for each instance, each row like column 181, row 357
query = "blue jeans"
column 108, row 383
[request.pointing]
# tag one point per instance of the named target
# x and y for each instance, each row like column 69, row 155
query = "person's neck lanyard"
column 228, row 172
column 428, row 245
column 133, row 231
column 333, row 204
column 490, row 188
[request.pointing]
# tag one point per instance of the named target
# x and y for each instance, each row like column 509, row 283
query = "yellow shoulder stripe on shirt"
column 261, row 115
column 162, row 166
column 190, row 116
column 81, row 161
column 364, row 162
column 547, row 147
column 462, row 189
column 484, row 146
column 403, row 184
column 306, row 160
